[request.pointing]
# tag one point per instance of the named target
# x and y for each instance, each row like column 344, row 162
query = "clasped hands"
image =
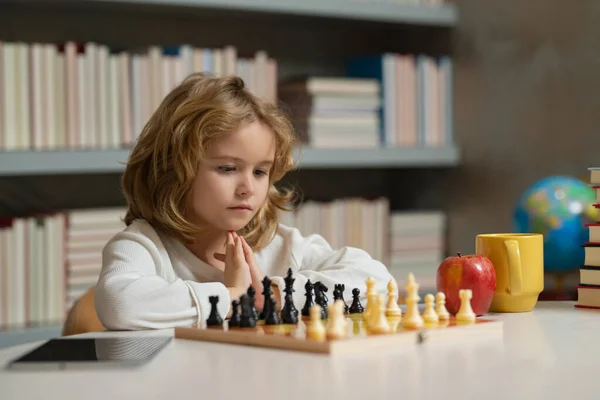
column 241, row 269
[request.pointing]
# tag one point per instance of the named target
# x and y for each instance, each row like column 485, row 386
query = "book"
column 588, row 296
column 592, row 254
column 594, row 175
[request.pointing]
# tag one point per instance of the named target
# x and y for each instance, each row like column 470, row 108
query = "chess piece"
column 271, row 316
column 320, row 298
column 440, row 308
column 252, row 298
column 392, row 309
column 356, row 307
column 377, row 323
column 371, row 294
column 338, row 294
column 336, row 326
column 267, row 295
column 315, row 329
column 308, row 288
column 289, row 313
column 412, row 318
column 214, row 319
column 235, row 316
column 429, row 315
column 247, row 319
column 465, row 312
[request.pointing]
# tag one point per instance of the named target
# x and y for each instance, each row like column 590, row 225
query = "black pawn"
column 308, row 287
column 338, row 294
column 266, row 282
column 235, row 315
column 356, row 307
column 247, row 318
column 214, row 319
column 252, row 297
column 289, row 313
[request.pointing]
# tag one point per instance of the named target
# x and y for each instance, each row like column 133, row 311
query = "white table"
column 550, row 353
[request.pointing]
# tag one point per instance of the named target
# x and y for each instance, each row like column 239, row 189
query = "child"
column 202, row 216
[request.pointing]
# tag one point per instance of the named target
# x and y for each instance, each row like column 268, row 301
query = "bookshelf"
column 111, row 161
column 313, row 37
column 363, row 10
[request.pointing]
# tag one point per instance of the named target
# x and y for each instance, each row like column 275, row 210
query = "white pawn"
column 412, row 318
column 315, row 329
column 440, row 308
column 392, row 308
column 377, row 323
column 429, row 315
column 465, row 313
column 336, row 326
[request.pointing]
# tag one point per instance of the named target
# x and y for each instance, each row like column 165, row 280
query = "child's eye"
column 260, row 172
column 227, row 168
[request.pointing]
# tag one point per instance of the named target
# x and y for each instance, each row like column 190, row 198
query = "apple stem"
column 458, row 253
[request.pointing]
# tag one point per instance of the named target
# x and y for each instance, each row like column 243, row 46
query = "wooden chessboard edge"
column 252, row 338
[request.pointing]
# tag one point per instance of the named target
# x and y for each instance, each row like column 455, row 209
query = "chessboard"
column 335, row 328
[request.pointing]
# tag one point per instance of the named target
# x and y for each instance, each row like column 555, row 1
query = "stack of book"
column 588, row 290
column 417, row 246
column 334, row 112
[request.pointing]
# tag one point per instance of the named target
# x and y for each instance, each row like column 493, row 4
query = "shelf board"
column 359, row 10
column 112, row 161
column 16, row 336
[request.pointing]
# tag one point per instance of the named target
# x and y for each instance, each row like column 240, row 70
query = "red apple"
column 472, row 271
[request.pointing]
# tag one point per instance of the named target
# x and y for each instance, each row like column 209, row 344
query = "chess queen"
column 202, row 216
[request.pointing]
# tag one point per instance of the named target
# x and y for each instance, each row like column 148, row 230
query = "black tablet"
column 92, row 352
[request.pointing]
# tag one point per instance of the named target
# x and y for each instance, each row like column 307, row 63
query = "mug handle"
column 514, row 267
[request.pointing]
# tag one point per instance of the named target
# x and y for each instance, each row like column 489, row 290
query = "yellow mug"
column 518, row 259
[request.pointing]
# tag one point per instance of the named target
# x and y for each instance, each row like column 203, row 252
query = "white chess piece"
column 315, row 329
column 378, row 323
column 392, row 309
column 465, row 313
column 336, row 326
column 371, row 293
column 440, row 307
column 412, row 318
column 429, row 315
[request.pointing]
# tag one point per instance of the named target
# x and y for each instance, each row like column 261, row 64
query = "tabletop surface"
column 551, row 353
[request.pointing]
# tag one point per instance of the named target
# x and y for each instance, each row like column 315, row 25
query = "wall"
column 527, row 102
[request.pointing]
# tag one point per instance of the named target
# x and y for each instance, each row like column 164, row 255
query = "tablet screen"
column 93, row 351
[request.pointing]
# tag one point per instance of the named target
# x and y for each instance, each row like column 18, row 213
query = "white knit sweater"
column 150, row 280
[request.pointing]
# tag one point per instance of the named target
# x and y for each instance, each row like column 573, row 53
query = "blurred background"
column 424, row 123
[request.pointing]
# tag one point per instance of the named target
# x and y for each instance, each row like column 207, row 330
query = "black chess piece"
column 308, row 287
column 289, row 313
column 320, row 298
column 271, row 316
column 247, row 319
column 267, row 293
column 235, row 315
column 214, row 319
column 356, row 307
column 338, row 294
column 252, row 295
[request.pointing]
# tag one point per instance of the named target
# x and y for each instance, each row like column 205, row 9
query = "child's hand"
column 256, row 273
column 237, row 276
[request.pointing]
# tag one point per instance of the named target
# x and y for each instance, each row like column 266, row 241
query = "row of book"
column 588, row 290
column 47, row 262
column 90, row 96
column 80, row 96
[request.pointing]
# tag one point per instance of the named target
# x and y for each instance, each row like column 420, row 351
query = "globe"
column 558, row 207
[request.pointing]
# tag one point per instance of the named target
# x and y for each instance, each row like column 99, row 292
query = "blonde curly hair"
column 164, row 160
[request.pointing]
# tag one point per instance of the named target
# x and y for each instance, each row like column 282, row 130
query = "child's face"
column 233, row 180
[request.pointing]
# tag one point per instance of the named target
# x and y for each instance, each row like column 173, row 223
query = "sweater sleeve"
column 316, row 260
column 132, row 295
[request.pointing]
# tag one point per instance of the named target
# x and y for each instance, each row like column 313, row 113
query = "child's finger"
column 239, row 251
